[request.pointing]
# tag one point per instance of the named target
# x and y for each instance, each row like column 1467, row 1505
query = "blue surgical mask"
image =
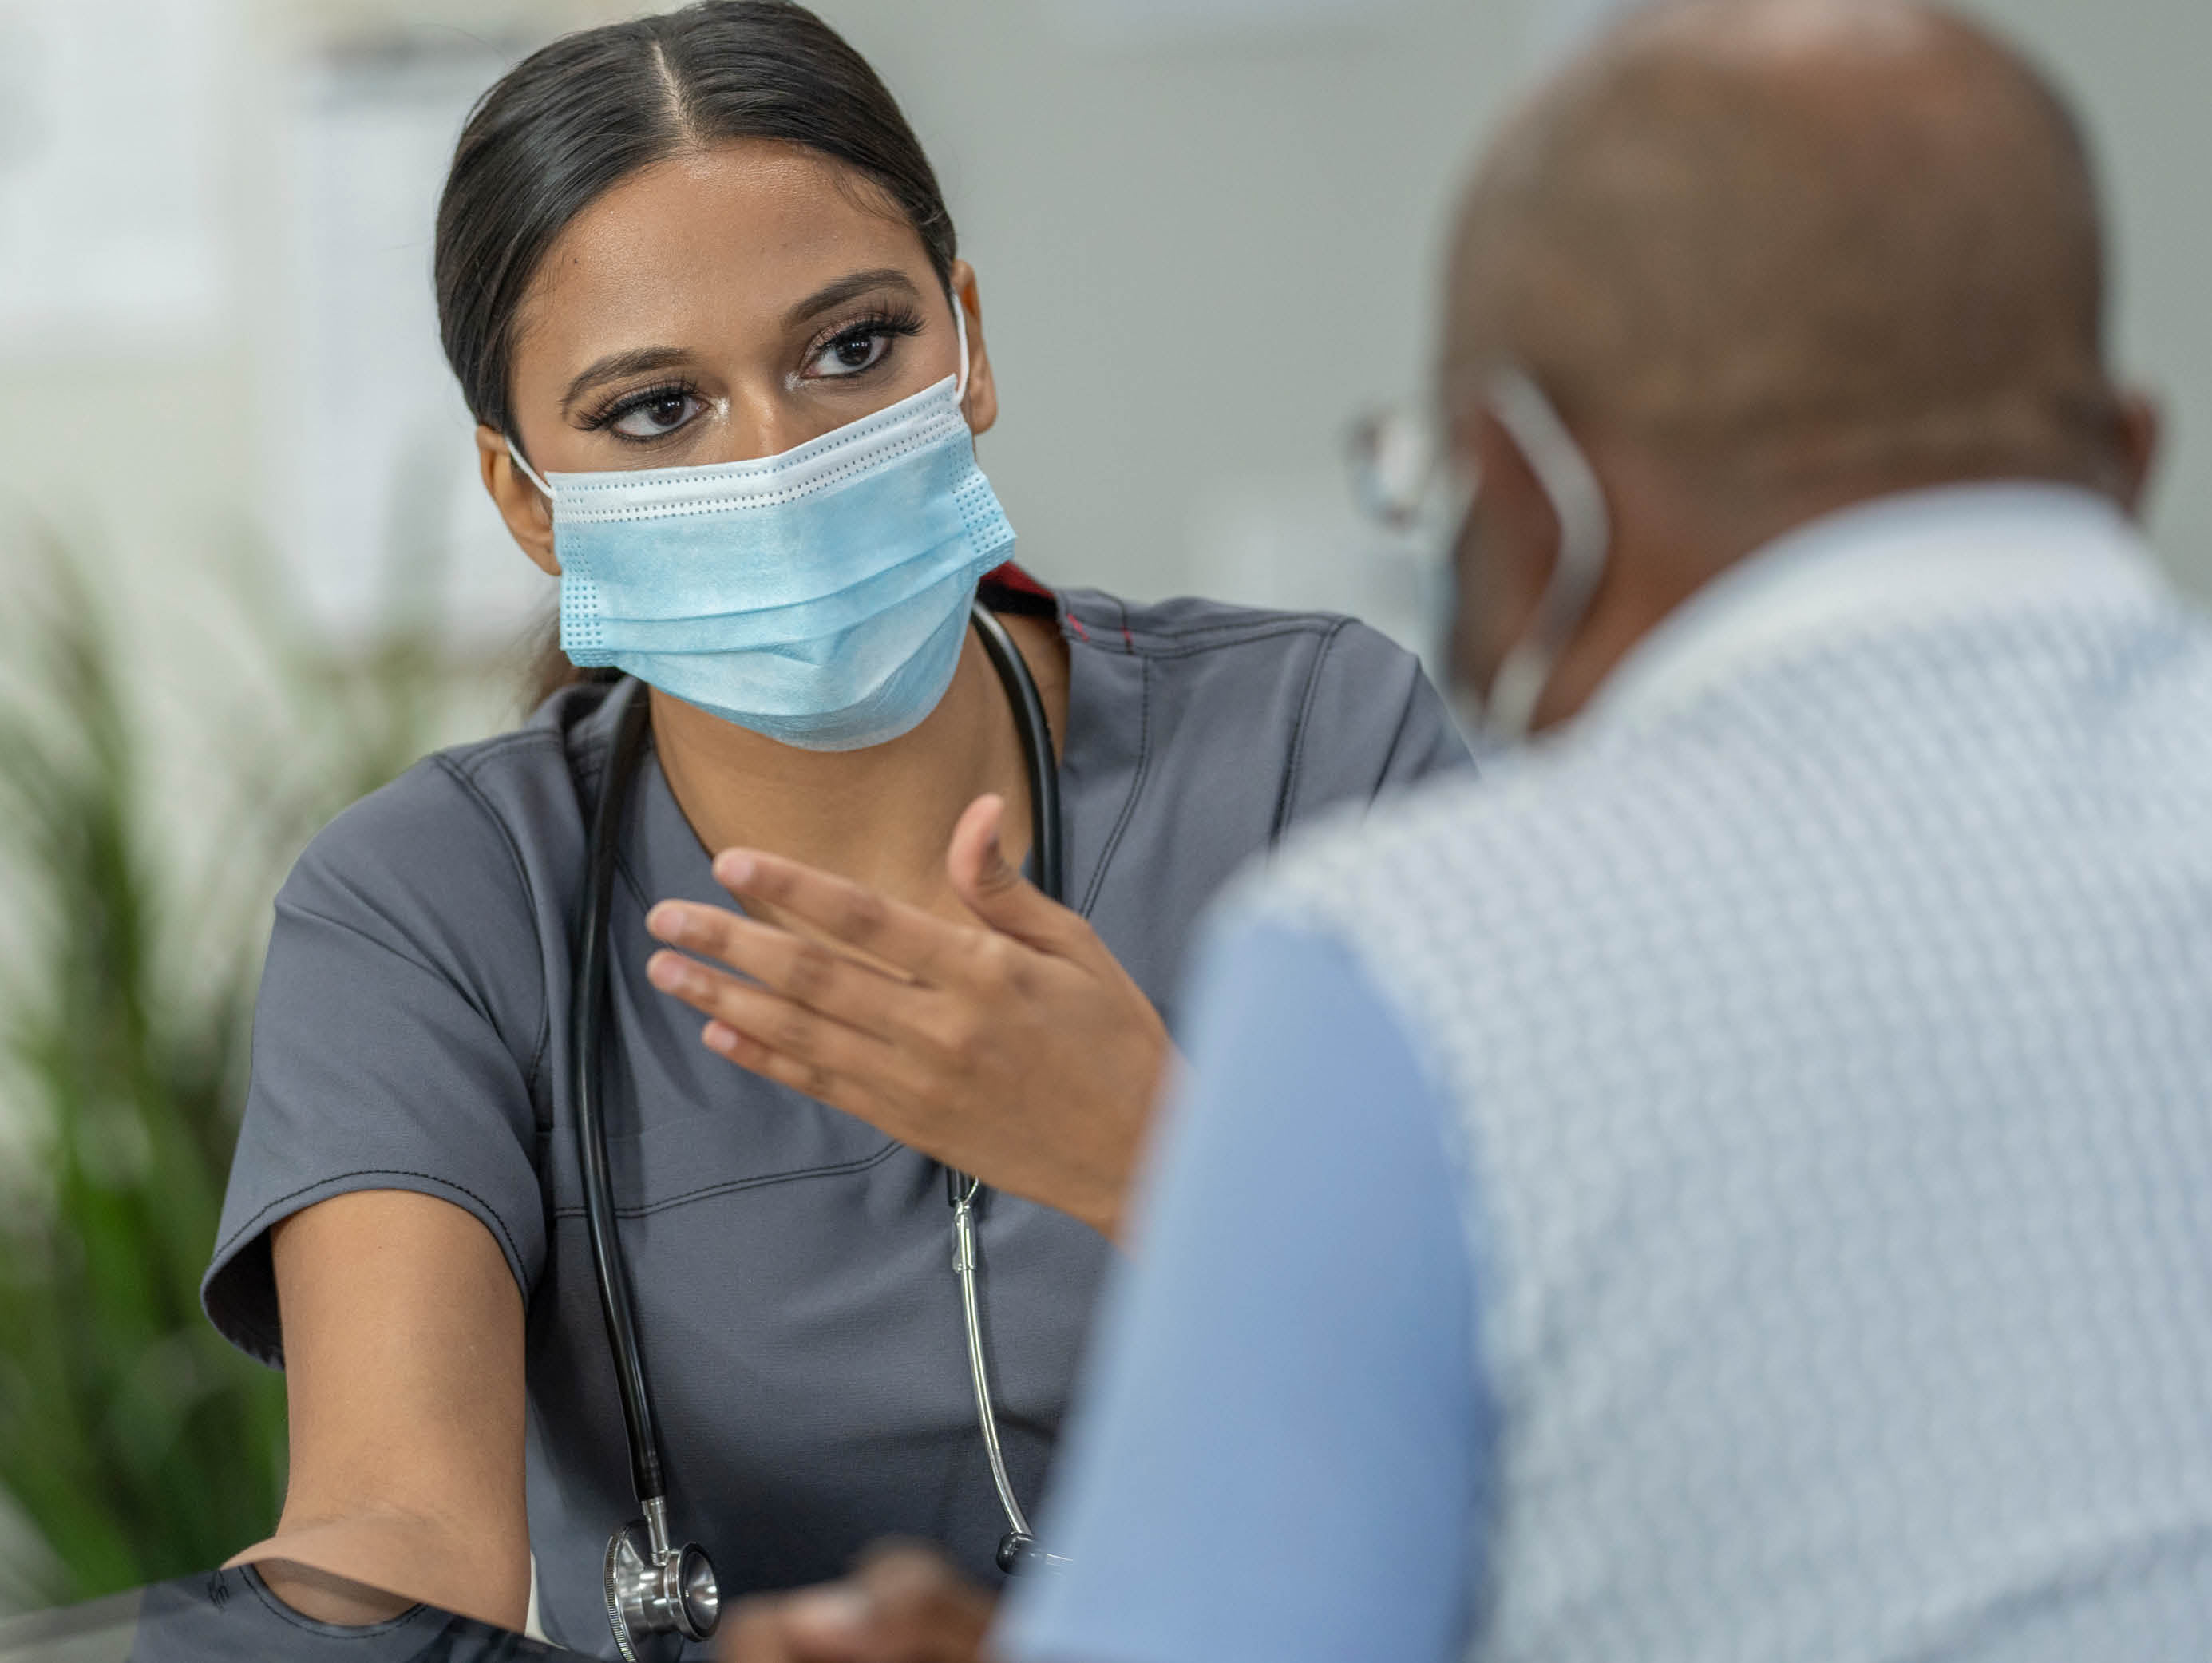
column 819, row 597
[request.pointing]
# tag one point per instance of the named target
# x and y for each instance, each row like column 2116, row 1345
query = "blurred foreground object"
column 233, row 1617
column 134, row 1442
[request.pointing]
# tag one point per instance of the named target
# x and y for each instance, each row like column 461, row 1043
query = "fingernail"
column 720, row 1037
column 733, row 871
column 666, row 921
column 668, row 972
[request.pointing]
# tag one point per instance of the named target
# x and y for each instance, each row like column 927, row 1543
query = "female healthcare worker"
column 698, row 283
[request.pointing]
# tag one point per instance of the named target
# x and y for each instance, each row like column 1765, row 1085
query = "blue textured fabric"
column 1828, row 1016
column 1285, row 1459
column 819, row 596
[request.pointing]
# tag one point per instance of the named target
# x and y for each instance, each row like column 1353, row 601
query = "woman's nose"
column 765, row 421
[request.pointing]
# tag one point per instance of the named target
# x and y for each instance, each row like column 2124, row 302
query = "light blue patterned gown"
column 1736, row 1185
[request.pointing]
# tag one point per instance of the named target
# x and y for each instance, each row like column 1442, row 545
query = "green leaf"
column 133, row 1441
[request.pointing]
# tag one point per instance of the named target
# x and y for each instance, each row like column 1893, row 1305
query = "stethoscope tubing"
column 1037, row 759
column 609, row 1264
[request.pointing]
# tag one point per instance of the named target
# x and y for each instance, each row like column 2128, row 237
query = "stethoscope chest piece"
column 657, row 1596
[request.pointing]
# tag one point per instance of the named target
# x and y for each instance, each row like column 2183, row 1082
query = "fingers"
column 808, row 1627
column 845, row 911
column 902, row 1605
column 996, row 890
column 804, row 972
column 856, row 1094
column 815, row 1053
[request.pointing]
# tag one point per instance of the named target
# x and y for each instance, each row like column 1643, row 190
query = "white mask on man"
column 1501, row 719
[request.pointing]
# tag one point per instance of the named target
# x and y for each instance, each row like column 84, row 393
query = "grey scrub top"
column 798, row 1315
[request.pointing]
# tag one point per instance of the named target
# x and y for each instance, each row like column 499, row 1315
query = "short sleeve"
column 1374, row 722
column 400, row 1021
column 1284, row 1449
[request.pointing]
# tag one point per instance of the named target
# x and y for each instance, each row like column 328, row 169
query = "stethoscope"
column 657, row 1593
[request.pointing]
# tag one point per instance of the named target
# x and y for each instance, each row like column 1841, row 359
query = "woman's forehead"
column 716, row 244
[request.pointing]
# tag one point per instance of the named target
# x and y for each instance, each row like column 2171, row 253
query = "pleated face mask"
column 818, row 597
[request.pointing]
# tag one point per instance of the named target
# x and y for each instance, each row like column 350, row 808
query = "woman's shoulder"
column 473, row 834
column 1343, row 711
column 1184, row 626
column 1315, row 679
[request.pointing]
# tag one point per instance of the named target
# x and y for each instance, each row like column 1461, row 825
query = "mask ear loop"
column 515, row 454
column 1585, row 533
column 960, row 325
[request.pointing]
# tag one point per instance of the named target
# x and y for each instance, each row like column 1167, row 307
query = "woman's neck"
column 880, row 816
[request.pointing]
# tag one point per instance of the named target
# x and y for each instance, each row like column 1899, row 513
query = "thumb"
column 987, row 882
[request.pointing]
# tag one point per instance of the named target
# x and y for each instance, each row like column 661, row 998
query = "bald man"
column 1737, row 1181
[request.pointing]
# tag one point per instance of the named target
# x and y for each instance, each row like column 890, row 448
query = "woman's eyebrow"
column 616, row 365
column 845, row 289
column 644, row 360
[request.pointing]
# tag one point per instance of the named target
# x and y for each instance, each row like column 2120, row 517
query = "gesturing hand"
column 902, row 1604
column 1016, row 1049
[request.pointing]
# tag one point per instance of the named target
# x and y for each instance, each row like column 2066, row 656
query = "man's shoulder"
column 1438, row 842
column 1839, row 767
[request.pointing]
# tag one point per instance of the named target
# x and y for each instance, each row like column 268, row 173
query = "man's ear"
column 981, row 405
column 2140, row 426
column 529, row 516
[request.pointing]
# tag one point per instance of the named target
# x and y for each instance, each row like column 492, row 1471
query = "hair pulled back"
column 578, row 117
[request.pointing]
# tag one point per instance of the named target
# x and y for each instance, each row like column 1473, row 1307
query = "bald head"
column 1786, row 237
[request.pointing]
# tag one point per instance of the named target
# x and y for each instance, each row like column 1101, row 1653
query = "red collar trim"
column 1012, row 577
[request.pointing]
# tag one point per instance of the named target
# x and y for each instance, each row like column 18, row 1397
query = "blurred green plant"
column 135, row 1444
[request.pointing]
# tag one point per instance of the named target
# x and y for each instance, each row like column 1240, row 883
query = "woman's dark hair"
column 575, row 118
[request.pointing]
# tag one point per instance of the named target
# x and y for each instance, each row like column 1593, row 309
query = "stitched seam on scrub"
column 306, row 1624
column 1389, row 771
column 468, row 782
column 1287, row 799
column 1192, row 649
column 1136, row 783
column 520, row 739
column 1268, row 624
column 298, row 910
column 725, row 504
column 271, row 1342
column 731, row 1186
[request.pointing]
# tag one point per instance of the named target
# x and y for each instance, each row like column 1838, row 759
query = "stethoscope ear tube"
column 656, row 1593
column 1043, row 767
column 587, row 1021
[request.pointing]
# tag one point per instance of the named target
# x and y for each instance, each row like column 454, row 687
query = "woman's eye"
column 657, row 414
column 850, row 354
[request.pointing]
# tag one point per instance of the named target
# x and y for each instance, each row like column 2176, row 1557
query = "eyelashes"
column 623, row 405
column 854, row 350
column 884, row 324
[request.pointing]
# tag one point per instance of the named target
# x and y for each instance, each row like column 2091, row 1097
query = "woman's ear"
column 980, row 405
column 529, row 516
